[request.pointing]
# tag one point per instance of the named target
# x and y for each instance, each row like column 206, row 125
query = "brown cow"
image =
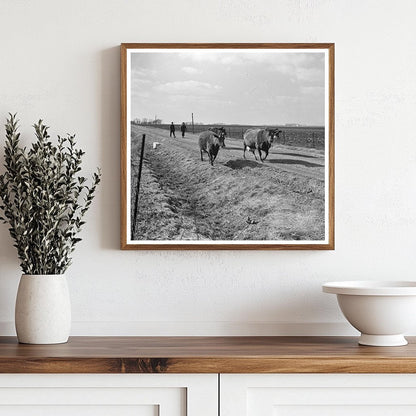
column 220, row 132
column 260, row 139
column 210, row 143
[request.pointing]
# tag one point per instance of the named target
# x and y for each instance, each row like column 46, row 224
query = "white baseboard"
column 201, row 328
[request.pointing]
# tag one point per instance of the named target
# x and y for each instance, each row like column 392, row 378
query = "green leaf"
column 44, row 198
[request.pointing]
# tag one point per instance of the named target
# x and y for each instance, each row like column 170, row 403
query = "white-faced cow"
column 260, row 139
column 210, row 143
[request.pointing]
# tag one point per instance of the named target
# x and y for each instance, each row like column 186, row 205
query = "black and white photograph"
column 228, row 147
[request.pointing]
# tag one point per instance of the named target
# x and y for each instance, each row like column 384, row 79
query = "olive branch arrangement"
column 44, row 199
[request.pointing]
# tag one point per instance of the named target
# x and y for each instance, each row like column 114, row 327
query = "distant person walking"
column 183, row 129
column 172, row 130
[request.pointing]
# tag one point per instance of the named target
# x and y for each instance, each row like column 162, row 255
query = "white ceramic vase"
column 43, row 309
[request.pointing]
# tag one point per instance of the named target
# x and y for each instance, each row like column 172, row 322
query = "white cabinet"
column 109, row 395
column 197, row 394
column 317, row 394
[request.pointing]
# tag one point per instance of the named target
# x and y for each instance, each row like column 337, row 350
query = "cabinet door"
column 318, row 394
column 108, row 395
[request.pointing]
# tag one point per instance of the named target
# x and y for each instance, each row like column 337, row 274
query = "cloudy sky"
column 260, row 88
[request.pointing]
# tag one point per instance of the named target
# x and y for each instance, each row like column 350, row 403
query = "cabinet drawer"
column 318, row 394
column 108, row 395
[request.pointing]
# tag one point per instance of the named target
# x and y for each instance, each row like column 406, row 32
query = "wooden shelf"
column 206, row 355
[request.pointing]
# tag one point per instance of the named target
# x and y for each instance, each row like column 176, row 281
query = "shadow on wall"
column 284, row 315
column 110, row 148
column 9, row 277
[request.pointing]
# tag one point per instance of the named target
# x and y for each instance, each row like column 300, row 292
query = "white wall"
column 60, row 61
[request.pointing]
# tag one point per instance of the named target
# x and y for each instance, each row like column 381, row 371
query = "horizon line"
column 242, row 124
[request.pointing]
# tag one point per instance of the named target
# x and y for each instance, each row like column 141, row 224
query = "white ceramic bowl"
column 381, row 311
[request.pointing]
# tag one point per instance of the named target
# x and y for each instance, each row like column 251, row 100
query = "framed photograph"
column 227, row 146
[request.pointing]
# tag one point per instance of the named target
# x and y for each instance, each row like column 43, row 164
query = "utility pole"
column 193, row 131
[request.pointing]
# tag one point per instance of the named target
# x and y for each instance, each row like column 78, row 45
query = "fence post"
column 136, row 202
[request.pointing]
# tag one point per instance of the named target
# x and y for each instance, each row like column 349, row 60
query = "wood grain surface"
column 206, row 355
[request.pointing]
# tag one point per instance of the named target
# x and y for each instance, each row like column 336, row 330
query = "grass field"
column 184, row 198
column 292, row 136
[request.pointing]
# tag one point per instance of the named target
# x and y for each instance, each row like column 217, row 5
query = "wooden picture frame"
column 175, row 78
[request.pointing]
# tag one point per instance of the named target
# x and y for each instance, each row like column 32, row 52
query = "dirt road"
column 301, row 161
column 182, row 198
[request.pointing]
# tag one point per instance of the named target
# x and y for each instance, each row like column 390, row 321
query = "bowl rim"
column 371, row 288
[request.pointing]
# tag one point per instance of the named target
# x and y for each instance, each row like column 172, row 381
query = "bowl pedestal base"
column 382, row 340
